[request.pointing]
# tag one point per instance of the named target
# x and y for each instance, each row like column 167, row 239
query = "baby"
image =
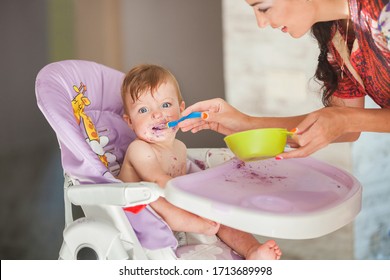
column 151, row 98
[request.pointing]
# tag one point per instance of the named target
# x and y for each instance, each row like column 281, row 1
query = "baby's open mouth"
column 160, row 126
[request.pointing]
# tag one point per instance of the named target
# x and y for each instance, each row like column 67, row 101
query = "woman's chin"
column 296, row 35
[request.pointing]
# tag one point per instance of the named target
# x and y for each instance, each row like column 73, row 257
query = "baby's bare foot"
column 267, row 251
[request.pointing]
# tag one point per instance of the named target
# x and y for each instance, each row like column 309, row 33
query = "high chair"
column 296, row 199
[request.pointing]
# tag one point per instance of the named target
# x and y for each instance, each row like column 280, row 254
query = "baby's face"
column 149, row 115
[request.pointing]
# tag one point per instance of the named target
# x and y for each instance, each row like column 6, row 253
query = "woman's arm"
column 225, row 119
column 343, row 122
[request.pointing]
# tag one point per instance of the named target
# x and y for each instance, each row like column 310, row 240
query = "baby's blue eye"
column 166, row 105
column 143, row 110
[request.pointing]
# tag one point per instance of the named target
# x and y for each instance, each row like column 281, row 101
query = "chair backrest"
column 82, row 102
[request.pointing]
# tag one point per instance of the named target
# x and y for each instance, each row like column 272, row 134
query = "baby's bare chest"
column 173, row 163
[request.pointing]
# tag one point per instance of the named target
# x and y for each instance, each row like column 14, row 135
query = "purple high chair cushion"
column 94, row 90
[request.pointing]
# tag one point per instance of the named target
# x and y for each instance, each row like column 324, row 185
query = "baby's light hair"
column 146, row 77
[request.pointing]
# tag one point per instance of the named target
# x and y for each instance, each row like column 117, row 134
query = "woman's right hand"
column 222, row 117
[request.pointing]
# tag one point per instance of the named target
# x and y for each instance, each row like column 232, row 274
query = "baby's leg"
column 181, row 220
column 246, row 245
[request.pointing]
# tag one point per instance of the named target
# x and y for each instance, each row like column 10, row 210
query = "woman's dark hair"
column 325, row 73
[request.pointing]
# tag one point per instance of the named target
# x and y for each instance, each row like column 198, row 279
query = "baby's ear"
column 182, row 106
column 127, row 120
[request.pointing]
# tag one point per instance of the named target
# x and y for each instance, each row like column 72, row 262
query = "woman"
column 354, row 61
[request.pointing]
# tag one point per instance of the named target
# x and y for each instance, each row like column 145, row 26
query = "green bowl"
column 257, row 144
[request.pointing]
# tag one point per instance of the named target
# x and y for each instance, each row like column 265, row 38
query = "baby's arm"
column 145, row 163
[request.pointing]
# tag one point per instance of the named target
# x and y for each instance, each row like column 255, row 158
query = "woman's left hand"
column 317, row 130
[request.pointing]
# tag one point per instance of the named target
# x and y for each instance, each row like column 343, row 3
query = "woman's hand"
column 222, row 117
column 319, row 129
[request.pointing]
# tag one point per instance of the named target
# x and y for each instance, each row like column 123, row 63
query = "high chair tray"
column 292, row 199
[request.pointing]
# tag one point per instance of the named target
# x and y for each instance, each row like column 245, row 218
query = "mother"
column 353, row 37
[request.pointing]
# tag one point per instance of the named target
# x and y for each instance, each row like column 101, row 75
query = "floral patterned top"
column 366, row 67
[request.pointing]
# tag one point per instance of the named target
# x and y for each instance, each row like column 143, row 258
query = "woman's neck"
column 329, row 10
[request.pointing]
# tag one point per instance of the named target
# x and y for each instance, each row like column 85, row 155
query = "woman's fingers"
column 302, row 151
